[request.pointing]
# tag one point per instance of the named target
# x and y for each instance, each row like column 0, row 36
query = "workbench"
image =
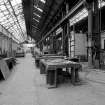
column 52, row 66
column 42, row 66
column 46, row 56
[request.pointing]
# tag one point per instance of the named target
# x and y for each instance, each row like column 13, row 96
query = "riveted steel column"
column 68, row 31
column 54, row 42
column 93, row 34
column 96, row 35
column 51, row 43
column 63, row 41
column 90, row 29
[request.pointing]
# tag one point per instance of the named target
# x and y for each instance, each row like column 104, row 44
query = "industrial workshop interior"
column 52, row 52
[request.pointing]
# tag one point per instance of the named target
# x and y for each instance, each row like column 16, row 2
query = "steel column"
column 90, row 25
column 94, row 38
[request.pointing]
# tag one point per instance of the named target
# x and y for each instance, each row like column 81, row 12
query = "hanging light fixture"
column 38, row 8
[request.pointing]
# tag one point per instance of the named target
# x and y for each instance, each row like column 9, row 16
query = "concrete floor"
column 26, row 86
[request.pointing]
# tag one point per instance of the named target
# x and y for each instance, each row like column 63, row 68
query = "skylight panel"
column 38, row 8
column 36, row 20
column 5, row 22
column 5, row 12
column 82, row 14
column 10, row 19
column 1, row 16
column 15, row 2
column 18, row 9
column 43, row 1
column 37, row 15
column 2, row 7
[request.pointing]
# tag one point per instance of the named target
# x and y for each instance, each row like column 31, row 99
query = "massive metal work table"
column 46, row 56
column 53, row 65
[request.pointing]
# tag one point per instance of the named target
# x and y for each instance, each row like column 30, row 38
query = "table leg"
column 76, row 75
column 73, row 75
column 47, row 78
column 42, row 69
column 37, row 63
column 51, row 78
column 55, row 78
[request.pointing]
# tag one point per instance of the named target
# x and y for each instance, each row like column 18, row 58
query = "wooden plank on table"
column 4, row 69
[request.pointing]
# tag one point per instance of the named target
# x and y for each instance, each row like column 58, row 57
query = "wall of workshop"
column 103, row 40
column 14, row 46
column 4, row 46
column 78, row 45
column 7, row 45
